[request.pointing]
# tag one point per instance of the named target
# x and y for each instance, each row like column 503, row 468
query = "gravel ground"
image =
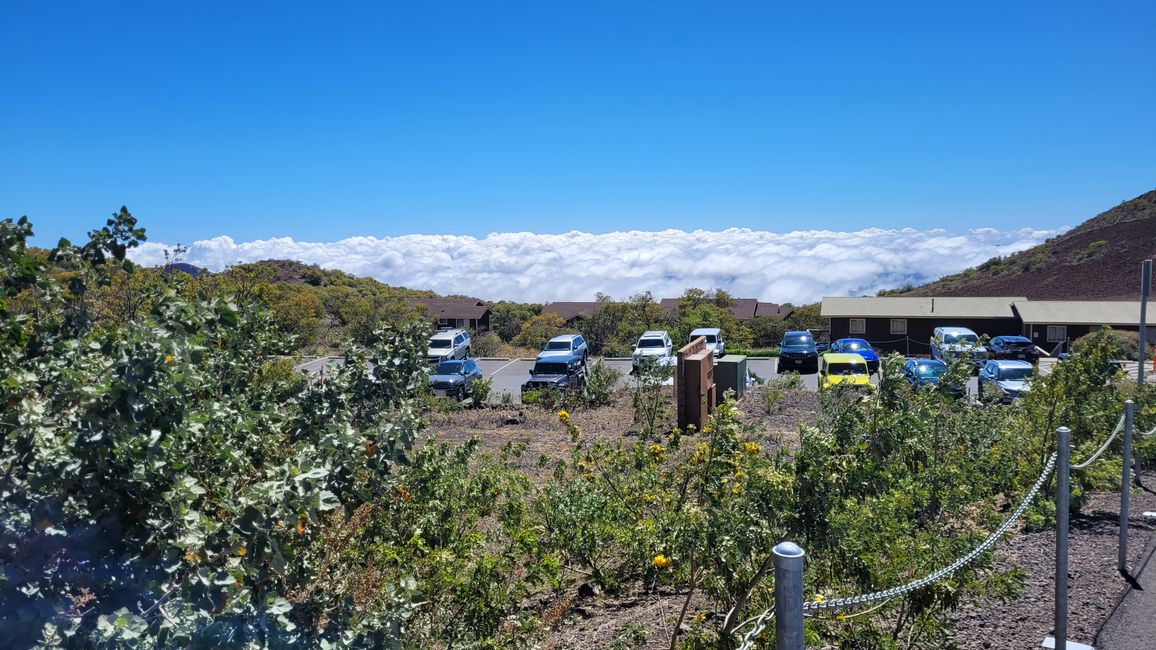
column 1094, row 585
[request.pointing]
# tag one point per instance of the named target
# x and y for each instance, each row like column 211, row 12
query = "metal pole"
column 1145, row 289
column 1063, row 435
column 1125, row 488
column 788, row 558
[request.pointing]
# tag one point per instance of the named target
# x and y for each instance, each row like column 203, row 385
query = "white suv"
column 656, row 344
column 448, row 344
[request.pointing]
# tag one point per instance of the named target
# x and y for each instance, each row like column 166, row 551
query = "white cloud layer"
column 798, row 267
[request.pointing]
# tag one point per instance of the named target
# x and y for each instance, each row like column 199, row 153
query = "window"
column 899, row 326
column 858, row 326
column 1057, row 333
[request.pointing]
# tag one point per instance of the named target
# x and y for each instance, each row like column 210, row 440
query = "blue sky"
column 320, row 121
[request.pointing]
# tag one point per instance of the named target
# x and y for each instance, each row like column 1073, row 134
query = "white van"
column 714, row 339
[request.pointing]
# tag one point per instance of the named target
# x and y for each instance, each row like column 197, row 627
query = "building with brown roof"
column 467, row 313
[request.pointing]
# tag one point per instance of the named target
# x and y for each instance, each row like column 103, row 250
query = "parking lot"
column 509, row 374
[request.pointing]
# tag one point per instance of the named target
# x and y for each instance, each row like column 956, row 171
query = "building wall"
column 919, row 331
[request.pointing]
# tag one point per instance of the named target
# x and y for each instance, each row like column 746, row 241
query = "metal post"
column 1063, row 442
column 1145, row 289
column 1125, row 488
column 788, row 559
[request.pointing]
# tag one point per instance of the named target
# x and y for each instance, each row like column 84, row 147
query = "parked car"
column 797, row 352
column 656, row 344
column 455, row 378
column 1013, row 347
column 565, row 345
column 448, row 344
column 558, row 373
column 714, row 339
column 1004, row 380
column 859, row 347
column 951, row 343
column 843, row 369
column 930, row 372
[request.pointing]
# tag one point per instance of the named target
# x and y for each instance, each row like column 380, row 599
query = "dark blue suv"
column 797, row 353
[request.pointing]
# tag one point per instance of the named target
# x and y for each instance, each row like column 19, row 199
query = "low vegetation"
column 170, row 481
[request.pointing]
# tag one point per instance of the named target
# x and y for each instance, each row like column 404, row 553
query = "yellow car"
column 843, row 369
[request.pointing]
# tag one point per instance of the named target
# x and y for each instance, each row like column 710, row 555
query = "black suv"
column 557, row 373
column 1013, row 347
column 797, row 352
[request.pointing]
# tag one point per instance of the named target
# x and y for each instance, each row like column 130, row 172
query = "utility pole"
column 1145, row 289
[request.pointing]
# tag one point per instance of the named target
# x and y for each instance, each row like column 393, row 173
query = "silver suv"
column 951, row 343
column 448, row 344
column 565, row 345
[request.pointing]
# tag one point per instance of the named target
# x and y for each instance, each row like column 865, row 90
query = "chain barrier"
column 760, row 625
column 1104, row 447
column 867, row 599
column 760, row 622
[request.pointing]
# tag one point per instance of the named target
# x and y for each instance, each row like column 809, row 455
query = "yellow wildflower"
column 818, row 599
column 661, row 561
column 563, row 417
column 655, row 449
column 189, row 557
column 241, row 551
column 706, row 429
column 839, row 617
column 168, row 358
column 751, row 447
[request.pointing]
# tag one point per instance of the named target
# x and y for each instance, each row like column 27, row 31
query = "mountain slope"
column 1097, row 260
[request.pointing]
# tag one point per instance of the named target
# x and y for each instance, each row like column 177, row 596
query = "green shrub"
column 755, row 352
column 485, row 344
column 481, row 391
column 600, row 382
column 1121, row 344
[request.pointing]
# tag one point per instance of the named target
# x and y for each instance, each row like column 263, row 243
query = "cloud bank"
column 798, row 267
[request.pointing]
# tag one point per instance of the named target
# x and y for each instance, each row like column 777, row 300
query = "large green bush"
column 164, row 476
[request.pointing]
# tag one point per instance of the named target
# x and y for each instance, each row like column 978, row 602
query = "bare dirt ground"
column 582, row 618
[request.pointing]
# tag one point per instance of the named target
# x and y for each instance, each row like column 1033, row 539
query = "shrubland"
column 169, row 480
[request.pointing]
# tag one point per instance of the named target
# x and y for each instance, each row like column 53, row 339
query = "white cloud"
column 797, row 267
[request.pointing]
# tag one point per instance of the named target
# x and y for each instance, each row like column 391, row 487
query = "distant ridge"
column 1097, row 260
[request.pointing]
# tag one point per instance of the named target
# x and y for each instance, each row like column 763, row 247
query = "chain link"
column 866, row 599
column 1104, row 447
column 760, row 625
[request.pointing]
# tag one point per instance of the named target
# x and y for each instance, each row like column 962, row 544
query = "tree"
column 539, row 329
column 507, row 318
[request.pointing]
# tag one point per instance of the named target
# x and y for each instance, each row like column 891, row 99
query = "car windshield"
column 1016, row 342
column 451, row 368
column 549, row 369
column 439, row 343
column 558, row 345
column 930, row 371
column 1014, row 374
column 651, row 343
column 962, row 339
column 854, row 345
column 709, row 337
column 799, row 340
column 846, row 369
